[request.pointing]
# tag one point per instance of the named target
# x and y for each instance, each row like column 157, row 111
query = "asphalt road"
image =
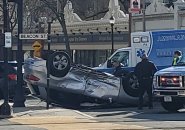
column 156, row 118
column 36, row 117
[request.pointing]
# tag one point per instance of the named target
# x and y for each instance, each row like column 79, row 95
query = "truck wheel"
column 131, row 85
column 59, row 64
column 172, row 106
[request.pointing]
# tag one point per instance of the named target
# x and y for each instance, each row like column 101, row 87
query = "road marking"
column 68, row 123
column 83, row 114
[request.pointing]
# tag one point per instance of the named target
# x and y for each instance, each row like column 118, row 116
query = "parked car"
column 12, row 78
column 77, row 82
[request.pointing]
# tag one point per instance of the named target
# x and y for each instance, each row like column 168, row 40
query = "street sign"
column 33, row 36
column 8, row 39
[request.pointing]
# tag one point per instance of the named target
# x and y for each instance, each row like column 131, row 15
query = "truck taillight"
column 12, row 76
column 32, row 77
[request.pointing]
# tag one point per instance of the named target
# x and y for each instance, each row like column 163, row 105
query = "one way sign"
column 33, row 36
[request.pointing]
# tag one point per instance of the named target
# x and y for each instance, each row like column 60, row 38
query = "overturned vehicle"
column 75, row 83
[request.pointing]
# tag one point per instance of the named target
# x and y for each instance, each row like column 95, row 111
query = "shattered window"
column 122, row 57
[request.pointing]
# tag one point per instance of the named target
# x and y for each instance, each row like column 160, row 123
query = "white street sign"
column 33, row 36
column 8, row 39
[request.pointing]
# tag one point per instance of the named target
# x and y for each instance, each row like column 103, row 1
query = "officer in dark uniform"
column 144, row 71
column 118, row 70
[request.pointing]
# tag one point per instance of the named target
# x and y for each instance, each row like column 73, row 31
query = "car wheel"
column 59, row 64
column 131, row 85
column 172, row 106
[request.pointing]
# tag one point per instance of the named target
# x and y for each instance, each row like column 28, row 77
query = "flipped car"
column 77, row 82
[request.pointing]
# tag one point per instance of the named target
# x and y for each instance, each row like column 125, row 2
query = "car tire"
column 172, row 106
column 59, row 63
column 131, row 85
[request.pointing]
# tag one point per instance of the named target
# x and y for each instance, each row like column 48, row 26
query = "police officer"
column 118, row 70
column 144, row 71
column 177, row 57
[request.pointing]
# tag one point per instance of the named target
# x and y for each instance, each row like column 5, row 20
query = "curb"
column 6, row 116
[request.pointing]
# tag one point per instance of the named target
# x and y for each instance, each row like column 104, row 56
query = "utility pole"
column 5, row 108
column 143, row 11
column 19, row 98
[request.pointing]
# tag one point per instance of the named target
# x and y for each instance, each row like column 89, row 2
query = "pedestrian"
column 118, row 71
column 144, row 72
column 176, row 58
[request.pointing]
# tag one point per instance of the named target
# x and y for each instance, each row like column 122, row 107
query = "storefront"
column 87, row 49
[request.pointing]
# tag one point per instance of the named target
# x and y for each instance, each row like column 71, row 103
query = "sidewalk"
column 35, row 116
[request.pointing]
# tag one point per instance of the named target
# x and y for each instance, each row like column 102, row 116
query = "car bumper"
column 176, row 93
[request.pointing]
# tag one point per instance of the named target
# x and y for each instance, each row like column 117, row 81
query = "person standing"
column 118, row 72
column 144, row 71
column 177, row 57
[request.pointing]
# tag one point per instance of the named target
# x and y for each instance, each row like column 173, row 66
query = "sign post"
column 144, row 22
column 135, row 7
column 5, row 108
column 19, row 97
column 48, row 64
column 37, row 53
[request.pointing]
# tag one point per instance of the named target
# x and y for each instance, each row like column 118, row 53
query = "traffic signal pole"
column 19, row 97
column 5, row 108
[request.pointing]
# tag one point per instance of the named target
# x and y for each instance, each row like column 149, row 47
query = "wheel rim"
column 133, row 82
column 60, row 62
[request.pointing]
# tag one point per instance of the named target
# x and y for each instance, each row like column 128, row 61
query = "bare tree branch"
column 126, row 5
column 102, row 12
column 61, row 19
column 12, row 17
